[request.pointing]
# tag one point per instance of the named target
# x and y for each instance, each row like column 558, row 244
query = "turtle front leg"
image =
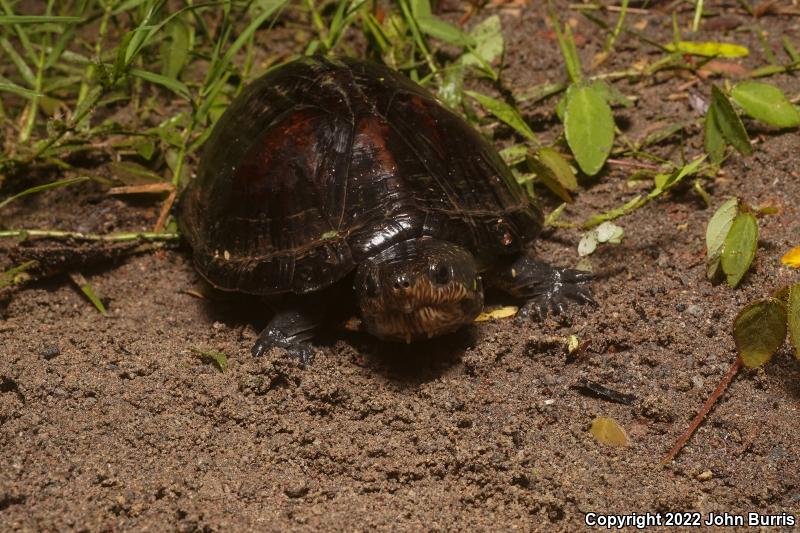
column 543, row 287
column 292, row 327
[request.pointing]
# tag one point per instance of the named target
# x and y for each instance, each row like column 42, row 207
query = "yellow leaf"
column 709, row 49
column 607, row 431
column 494, row 314
column 792, row 258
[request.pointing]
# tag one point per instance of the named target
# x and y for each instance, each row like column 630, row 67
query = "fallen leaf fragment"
column 792, row 258
column 496, row 314
column 607, row 431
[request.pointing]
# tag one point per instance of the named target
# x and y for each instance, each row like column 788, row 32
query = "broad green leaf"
column 560, row 168
column 729, row 123
column 608, row 431
column 588, row 243
column 713, row 141
column 609, row 232
column 506, row 113
column 718, row 228
column 589, row 127
column 488, row 39
column 739, row 248
column 709, row 49
column 549, row 179
column 793, row 317
column 759, row 330
column 175, row 51
column 766, row 103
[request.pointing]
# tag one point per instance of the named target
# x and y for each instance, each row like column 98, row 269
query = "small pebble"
column 694, row 310
column 50, row 351
column 297, row 490
column 705, row 476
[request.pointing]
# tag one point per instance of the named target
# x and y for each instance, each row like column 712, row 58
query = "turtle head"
column 417, row 289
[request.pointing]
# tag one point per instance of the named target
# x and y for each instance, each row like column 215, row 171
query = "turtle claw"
column 566, row 284
column 271, row 338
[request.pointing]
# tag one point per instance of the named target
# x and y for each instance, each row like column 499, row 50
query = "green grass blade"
column 23, row 68
column 174, row 85
column 40, row 188
column 11, row 87
column 7, row 20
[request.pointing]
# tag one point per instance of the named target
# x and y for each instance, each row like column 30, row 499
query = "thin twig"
column 723, row 385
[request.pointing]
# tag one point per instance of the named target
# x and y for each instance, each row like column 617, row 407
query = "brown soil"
column 116, row 424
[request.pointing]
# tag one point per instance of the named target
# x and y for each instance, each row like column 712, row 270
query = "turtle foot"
column 271, row 338
column 557, row 287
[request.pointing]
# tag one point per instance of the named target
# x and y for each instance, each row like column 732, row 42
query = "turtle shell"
column 322, row 163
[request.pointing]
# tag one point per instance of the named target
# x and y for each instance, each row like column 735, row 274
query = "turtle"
column 330, row 180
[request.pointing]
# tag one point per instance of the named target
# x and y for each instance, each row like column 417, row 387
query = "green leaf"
column 175, row 51
column 759, row 330
column 667, row 181
column 560, row 168
column 714, row 142
column 506, row 113
column 708, row 49
column 488, row 39
column 766, row 103
column 718, row 228
column 514, row 154
column 443, row 31
column 793, row 318
column 589, row 127
column 174, row 85
column 210, row 356
column 729, row 123
column 451, row 90
column 739, row 248
column 661, row 134
column 548, row 179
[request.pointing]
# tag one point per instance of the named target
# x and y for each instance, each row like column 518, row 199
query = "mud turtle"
column 326, row 176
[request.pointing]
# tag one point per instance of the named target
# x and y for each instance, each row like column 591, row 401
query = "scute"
column 322, row 163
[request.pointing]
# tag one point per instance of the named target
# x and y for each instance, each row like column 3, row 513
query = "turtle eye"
column 442, row 274
column 371, row 285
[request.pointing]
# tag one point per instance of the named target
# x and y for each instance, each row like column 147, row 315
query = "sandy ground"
column 115, row 424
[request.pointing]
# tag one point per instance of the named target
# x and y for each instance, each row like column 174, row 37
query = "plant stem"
column 684, row 438
column 111, row 237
